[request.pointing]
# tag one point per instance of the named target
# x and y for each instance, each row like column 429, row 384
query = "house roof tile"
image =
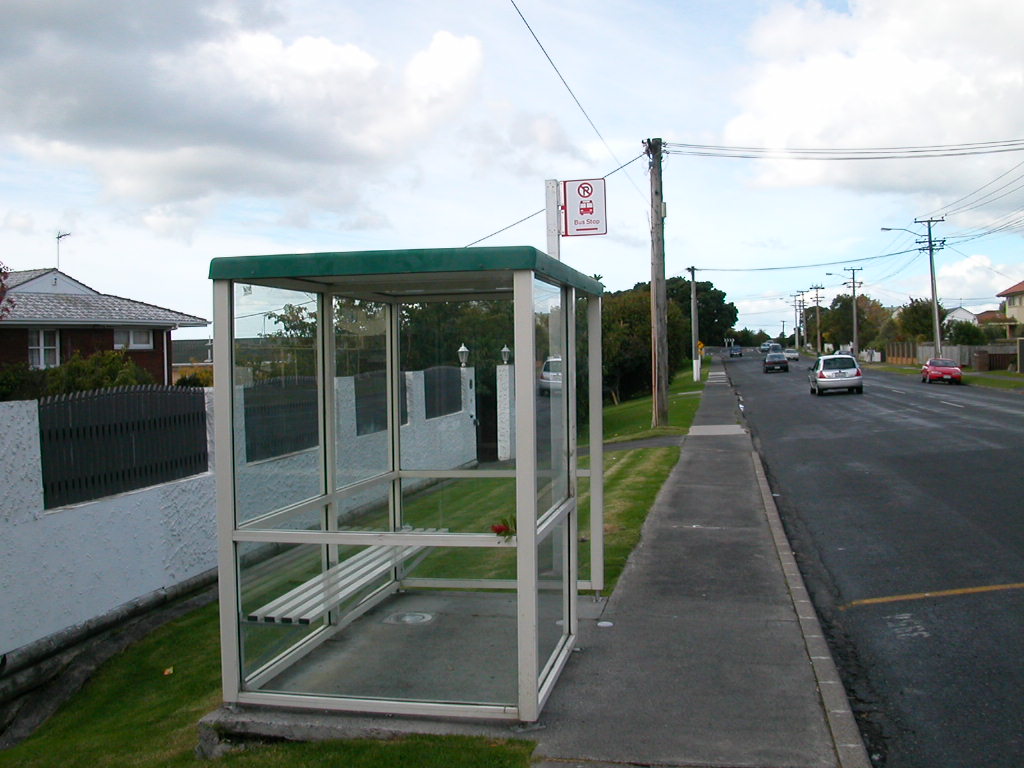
column 1018, row 288
column 62, row 309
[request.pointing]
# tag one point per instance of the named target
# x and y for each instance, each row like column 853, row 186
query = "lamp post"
column 936, row 330
column 505, row 352
column 463, row 355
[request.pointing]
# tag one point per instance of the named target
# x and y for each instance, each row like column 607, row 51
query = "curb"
column 849, row 745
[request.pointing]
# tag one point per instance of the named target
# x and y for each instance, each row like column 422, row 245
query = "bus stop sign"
column 584, row 208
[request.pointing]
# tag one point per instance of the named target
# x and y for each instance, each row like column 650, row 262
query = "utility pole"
column 936, row 329
column 817, row 312
column 802, row 308
column 853, row 286
column 659, row 297
column 60, row 236
column 694, row 328
column 783, row 332
column 796, row 319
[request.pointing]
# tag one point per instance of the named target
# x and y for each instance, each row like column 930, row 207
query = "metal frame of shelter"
column 548, row 301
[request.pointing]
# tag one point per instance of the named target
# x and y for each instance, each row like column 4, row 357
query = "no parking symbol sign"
column 584, row 208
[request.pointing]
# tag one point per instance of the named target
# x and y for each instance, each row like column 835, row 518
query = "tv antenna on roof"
column 60, row 236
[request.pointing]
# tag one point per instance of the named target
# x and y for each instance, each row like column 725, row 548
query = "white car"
column 835, row 372
column 550, row 376
column 791, row 354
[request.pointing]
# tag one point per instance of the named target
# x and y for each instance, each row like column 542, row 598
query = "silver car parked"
column 835, row 372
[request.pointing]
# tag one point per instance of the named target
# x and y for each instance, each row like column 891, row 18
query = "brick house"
column 52, row 316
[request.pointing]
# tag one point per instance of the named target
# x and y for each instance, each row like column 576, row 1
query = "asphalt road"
column 905, row 490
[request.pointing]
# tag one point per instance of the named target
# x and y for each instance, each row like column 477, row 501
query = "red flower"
column 501, row 529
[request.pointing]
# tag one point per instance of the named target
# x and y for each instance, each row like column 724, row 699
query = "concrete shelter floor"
column 425, row 645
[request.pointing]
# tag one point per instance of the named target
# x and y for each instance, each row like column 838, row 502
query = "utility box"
column 376, row 553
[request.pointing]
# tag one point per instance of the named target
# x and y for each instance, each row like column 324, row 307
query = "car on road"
column 941, row 369
column 550, row 376
column 791, row 354
column 775, row 361
column 835, row 372
column 765, row 345
column 735, row 351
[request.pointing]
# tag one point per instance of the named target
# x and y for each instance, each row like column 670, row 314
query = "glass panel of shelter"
column 277, row 444
column 456, row 405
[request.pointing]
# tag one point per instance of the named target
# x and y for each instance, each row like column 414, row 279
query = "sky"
column 161, row 135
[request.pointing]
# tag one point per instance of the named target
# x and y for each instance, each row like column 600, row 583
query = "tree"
column 915, row 319
column 626, row 342
column 747, row 338
column 6, row 302
column 715, row 316
column 838, row 328
column 964, row 332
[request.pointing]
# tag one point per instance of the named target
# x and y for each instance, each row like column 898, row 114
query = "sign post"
column 553, row 208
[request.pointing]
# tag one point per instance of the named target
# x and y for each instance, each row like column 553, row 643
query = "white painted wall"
column 64, row 566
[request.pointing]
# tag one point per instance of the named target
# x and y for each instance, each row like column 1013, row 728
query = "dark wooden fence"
column 442, row 387
column 108, row 441
column 281, row 416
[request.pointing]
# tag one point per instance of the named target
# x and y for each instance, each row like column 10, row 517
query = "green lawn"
column 142, row 707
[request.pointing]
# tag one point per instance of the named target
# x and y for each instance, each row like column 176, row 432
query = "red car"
column 940, row 369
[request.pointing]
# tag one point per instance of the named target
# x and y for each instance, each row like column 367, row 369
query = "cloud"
column 179, row 104
column 884, row 74
column 974, row 277
column 22, row 223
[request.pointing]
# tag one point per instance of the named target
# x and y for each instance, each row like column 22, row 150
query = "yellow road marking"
column 923, row 595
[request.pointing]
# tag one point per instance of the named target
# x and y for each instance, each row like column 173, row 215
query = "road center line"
column 923, row 595
column 955, row 405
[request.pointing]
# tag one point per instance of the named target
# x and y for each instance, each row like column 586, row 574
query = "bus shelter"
column 404, row 523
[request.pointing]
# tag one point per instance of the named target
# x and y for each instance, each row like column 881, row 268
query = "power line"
column 950, row 209
column 806, row 266
column 843, row 153
column 560, row 77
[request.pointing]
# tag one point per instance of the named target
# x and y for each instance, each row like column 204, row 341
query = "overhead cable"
column 805, row 266
column 845, row 153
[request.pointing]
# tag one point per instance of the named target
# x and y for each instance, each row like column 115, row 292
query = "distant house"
column 1014, row 297
column 52, row 316
column 960, row 314
column 994, row 317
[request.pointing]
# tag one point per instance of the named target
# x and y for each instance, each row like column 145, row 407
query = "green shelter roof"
column 333, row 267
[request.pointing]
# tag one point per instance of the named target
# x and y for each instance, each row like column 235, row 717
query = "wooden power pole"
column 659, row 297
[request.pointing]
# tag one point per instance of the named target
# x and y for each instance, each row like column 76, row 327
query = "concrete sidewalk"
column 708, row 653
column 714, row 656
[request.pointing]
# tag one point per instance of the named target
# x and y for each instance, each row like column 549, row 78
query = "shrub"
column 19, row 382
column 100, row 370
column 196, row 377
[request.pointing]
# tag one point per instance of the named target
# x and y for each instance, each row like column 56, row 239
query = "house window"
column 133, row 338
column 43, row 350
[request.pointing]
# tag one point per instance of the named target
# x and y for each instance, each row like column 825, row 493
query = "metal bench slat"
column 315, row 597
column 283, row 604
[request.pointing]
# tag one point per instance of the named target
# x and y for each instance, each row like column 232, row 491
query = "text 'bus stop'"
column 403, row 523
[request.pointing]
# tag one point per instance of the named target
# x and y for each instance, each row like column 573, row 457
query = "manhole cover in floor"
column 409, row 617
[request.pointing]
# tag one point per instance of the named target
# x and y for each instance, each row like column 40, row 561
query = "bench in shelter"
column 314, row 598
